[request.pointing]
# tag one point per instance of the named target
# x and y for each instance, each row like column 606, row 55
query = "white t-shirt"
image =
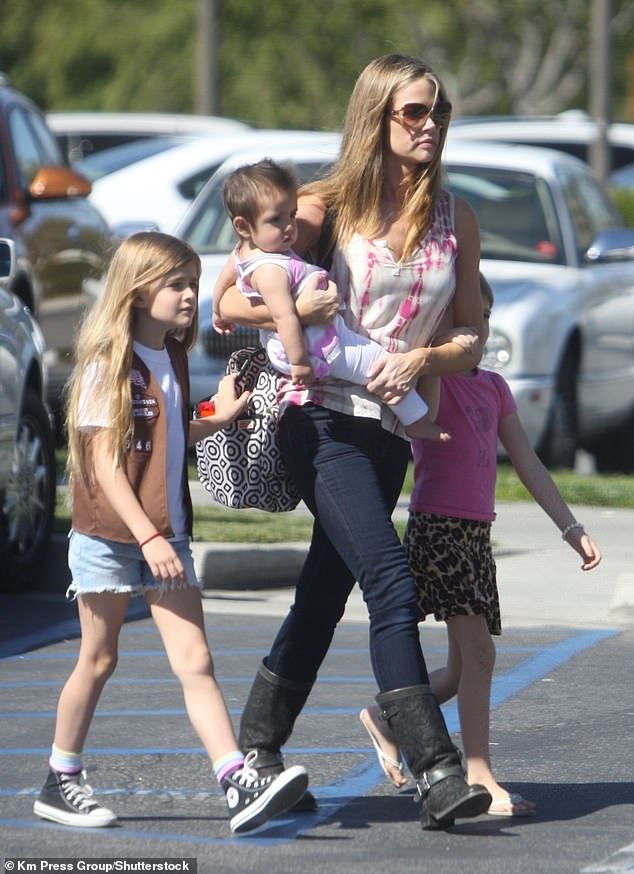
column 158, row 362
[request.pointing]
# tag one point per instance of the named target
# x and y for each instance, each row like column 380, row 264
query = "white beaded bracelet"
column 570, row 527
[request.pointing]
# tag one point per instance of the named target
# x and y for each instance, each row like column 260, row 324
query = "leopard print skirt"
column 453, row 566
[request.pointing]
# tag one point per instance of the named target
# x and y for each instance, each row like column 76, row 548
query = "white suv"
column 561, row 268
column 572, row 132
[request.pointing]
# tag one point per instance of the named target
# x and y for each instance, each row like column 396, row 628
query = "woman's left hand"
column 394, row 375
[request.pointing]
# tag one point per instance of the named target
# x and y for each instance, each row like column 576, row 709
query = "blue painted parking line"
column 22, row 647
column 549, row 657
column 160, row 653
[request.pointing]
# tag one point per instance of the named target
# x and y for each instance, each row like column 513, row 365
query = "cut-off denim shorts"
column 98, row 565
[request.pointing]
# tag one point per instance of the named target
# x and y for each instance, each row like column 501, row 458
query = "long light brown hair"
column 353, row 187
column 106, row 340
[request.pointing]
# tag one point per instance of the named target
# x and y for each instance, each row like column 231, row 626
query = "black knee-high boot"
column 419, row 728
column 273, row 705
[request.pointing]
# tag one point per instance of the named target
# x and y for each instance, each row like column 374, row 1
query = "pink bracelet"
column 147, row 540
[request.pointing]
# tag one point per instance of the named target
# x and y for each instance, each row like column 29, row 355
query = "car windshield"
column 515, row 210
column 102, row 163
column 209, row 229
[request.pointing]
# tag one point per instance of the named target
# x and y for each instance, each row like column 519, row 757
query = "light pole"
column 600, row 86
column 206, row 101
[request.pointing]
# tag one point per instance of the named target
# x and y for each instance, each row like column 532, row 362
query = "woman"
column 406, row 257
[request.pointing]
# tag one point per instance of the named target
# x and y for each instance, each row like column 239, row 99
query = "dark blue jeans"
column 349, row 471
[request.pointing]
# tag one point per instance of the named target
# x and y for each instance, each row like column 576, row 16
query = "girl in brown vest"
column 128, row 432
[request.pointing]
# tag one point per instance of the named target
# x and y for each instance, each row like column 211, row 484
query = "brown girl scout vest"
column 146, row 457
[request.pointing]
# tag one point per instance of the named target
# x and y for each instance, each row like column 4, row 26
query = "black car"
column 62, row 243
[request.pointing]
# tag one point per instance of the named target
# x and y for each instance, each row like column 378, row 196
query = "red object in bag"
column 206, row 408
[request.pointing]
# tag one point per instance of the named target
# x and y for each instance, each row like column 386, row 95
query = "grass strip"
column 215, row 523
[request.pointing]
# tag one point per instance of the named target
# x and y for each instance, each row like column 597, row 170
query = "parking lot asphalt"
column 561, row 734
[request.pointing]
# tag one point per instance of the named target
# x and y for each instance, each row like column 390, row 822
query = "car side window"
column 190, row 187
column 589, row 209
column 50, row 151
column 25, row 146
column 4, row 192
column 515, row 211
column 210, row 229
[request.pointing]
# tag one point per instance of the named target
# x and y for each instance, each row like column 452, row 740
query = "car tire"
column 614, row 453
column 29, row 502
column 559, row 447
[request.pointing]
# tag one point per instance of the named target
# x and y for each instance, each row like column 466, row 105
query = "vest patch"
column 144, row 407
column 143, row 446
column 138, row 379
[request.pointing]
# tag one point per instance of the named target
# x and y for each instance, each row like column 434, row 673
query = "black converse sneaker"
column 67, row 799
column 253, row 800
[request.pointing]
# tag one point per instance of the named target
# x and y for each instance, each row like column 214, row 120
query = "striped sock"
column 228, row 765
column 64, row 762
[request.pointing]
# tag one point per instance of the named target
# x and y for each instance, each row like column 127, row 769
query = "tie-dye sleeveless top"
column 398, row 304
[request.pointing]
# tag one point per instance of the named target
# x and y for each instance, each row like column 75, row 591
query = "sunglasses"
column 416, row 114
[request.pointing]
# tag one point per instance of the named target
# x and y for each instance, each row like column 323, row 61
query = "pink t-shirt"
column 457, row 478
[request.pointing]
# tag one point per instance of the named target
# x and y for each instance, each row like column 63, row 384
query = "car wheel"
column 559, row 446
column 613, row 453
column 29, row 501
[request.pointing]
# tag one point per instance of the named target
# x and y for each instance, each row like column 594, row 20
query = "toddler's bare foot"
column 426, row 429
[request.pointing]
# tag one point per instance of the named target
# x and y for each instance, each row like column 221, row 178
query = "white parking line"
column 621, row 862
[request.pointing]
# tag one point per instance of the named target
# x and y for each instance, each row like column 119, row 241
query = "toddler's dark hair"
column 485, row 290
column 243, row 189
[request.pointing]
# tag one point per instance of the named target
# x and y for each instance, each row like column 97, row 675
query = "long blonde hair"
column 106, row 340
column 353, row 187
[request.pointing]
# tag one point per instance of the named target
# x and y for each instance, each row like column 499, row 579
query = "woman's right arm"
column 314, row 307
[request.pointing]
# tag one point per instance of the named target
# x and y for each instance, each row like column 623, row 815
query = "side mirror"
column 53, row 183
column 7, row 260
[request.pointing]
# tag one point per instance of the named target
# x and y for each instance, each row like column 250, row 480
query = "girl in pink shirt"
column 448, row 542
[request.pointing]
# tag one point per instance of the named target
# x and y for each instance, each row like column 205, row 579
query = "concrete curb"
column 232, row 566
column 539, row 577
column 240, row 566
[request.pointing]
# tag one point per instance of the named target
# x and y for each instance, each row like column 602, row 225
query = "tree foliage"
column 293, row 65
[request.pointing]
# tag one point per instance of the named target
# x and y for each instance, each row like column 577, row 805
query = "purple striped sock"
column 228, row 765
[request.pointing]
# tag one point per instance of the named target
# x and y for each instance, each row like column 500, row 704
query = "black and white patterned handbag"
column 241, row 466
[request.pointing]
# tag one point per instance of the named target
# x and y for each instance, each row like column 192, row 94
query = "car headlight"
column 497, row 352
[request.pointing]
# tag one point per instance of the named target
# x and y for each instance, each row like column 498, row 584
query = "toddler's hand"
column 302, row 375
column 220, row 325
